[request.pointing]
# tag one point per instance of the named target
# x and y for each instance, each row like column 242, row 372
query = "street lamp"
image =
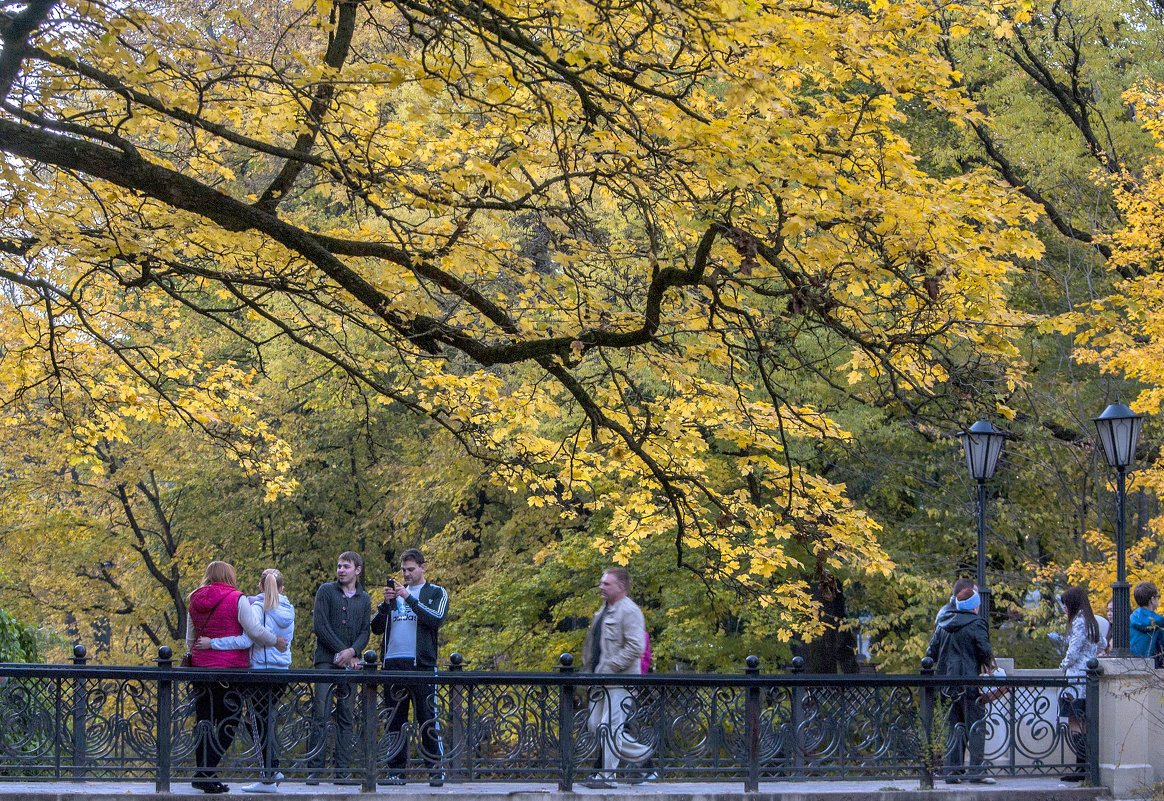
column 982, row 444
column 1119, row 429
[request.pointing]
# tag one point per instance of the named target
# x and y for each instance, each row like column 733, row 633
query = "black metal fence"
column 85, row 722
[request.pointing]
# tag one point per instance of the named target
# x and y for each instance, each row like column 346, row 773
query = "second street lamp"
column 1119, row 430
column 982, row 443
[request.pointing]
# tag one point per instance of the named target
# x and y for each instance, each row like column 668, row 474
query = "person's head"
column 1146, row 594
column 348, row 567
column 1111, row 611
column 1076, row 602
column 963, row 584
column 964, row 595
column 219, row 573
column 271, row 583
column 615, row 584
column 412, row 567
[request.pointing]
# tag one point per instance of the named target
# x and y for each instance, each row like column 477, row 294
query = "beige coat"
column 623, row 640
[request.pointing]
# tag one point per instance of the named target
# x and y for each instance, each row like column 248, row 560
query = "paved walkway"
column 878, row 790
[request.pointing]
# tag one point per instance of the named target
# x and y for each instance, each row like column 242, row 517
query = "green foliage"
column 18, row 641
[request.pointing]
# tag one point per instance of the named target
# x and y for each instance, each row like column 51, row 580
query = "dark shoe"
column 207, row 786
column 952, row 781
column 436, row 780
column 982, row 780
column 392, row 779
column 312, row 782
column 598, row 784
column 1072, row 777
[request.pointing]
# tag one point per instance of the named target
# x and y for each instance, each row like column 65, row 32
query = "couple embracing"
column 227, row 629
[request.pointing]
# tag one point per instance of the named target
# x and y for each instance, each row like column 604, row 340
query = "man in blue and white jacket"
column 408, row 620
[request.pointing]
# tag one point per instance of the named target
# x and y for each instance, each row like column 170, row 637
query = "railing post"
column 752, row 726
column 797, row 714
column 80, row 707
column 1094, row 671
column 566, row 726
column 165, row 732
column 370, row 701
column 928, row 751
column 456, row 719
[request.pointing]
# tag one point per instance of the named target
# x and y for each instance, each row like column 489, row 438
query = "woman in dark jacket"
column 960, row 648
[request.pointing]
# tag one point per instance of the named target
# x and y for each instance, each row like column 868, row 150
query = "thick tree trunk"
column 836, row 650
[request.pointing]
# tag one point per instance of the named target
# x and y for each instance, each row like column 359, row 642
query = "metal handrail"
column 93, row 722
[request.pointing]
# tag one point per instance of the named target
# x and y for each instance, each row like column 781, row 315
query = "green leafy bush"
column 18, row 642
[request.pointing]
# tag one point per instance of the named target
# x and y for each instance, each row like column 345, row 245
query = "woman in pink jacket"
column 218, row 609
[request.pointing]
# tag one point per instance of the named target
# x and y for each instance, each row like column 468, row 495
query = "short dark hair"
column 1144, row 592
column 963, row 584
column 353, row 557
column 412, row 555
column 620, row 575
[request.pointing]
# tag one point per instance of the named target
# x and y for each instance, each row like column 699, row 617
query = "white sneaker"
column 278, row 777
column 261, row 787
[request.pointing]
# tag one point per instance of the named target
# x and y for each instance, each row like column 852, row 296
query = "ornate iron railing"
column 92, row 723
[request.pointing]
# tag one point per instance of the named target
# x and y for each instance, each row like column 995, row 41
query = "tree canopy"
column 599, row 244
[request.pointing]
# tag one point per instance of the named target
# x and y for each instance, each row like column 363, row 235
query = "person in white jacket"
column 278, row 617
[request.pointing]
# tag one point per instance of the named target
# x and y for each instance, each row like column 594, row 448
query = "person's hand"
column 202, row 644
column 281, row 643
column 402, row 592
column 354, row 663
column 389, row 595
column 344, row 656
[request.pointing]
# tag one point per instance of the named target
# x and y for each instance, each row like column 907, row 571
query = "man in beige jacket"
column 614, row 644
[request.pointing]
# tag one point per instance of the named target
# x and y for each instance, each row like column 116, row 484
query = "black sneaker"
column 392, row 779
column 208, row 786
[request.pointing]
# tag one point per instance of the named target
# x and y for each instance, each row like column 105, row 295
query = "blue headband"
column 970, row 603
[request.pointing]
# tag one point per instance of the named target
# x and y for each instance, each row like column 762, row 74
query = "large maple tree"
column 595, row 241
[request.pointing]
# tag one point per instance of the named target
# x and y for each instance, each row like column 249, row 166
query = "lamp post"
column 1119, row 429
column 982, row 443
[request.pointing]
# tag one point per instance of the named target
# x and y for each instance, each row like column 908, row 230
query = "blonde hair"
column 272, row 584
column 218, row 572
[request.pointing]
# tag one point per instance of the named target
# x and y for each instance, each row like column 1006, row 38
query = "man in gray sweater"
column 341, row 620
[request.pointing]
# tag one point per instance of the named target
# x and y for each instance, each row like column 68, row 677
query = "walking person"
column 277, row 616
column 408, row 620
column 1083, row 645
column 218, row 609
column 340, row 620
column 960, row 648
column 614, row 643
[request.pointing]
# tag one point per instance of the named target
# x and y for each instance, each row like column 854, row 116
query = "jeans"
column 422, row 697
column 323, row 709
column 966, row 719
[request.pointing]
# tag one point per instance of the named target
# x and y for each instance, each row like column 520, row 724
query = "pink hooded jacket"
column 214, row 613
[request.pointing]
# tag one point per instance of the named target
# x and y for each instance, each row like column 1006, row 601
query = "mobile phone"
column 392, row 583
